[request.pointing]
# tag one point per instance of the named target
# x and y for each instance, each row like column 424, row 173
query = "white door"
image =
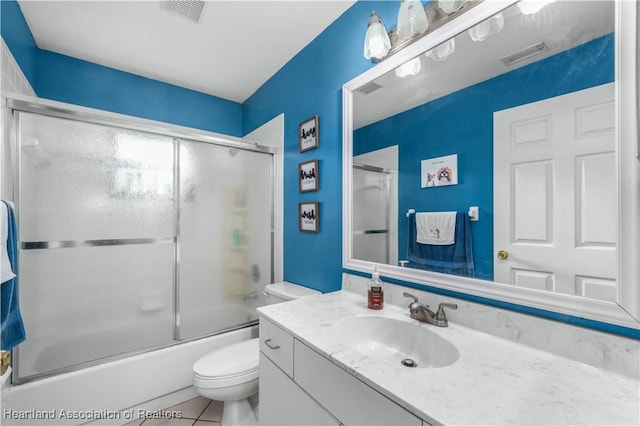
column 555, row 194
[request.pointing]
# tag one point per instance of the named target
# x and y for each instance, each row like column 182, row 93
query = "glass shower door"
column 371, row 214
column 97, row 241
column 225, row 236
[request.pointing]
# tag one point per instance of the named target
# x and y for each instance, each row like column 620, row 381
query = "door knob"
column 503, row 254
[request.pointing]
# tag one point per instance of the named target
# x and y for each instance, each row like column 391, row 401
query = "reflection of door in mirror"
column 555, row 194
column 375, row 202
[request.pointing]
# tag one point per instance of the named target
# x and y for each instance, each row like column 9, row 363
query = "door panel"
column 555, row 209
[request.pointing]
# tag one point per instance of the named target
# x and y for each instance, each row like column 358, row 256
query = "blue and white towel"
column 456, row 258
column 11, row 325
column 438, row 229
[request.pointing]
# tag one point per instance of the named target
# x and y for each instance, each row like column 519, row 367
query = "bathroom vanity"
column 327, row 359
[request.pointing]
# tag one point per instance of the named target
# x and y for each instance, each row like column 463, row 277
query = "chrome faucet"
column 421, row 312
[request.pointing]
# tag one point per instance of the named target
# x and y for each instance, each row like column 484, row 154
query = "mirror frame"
column 625, row 313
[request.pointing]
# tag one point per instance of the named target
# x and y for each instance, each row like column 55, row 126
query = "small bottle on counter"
column 375, row 291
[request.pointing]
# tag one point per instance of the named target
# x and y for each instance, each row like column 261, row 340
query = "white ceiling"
column 235, row 48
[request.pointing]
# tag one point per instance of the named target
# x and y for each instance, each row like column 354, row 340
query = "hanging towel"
column 6, row 272
column 11, row 325
column 455, row 258
column 436, row 228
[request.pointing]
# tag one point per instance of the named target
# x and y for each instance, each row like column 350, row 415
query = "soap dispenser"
column 375, row 291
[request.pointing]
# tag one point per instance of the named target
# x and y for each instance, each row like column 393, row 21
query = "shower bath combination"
column 132, row 237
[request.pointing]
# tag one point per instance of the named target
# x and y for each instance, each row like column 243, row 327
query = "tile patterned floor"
column 195, row 412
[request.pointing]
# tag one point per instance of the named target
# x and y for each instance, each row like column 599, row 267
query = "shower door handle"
column 271, row 345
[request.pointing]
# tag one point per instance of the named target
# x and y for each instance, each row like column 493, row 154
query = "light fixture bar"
column 436, row 18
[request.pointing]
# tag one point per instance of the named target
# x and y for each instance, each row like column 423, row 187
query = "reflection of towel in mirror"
column 455, row 258
column 11, row 326
column 436, row 228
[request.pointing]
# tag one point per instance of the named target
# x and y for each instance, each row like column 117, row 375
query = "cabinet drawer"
column 351, row 401
column 282, row 402
column 277, row 345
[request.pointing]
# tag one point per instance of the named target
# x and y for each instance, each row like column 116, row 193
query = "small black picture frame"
column 308, row 176
column 308, row 134
column 308, row 216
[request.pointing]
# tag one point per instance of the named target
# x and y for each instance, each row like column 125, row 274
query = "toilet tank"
column 284, row 291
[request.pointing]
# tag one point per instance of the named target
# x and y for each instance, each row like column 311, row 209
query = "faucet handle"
column 440, row 314
column 415, row 299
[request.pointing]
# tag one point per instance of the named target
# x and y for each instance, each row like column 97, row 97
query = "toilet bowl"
column 230, row 374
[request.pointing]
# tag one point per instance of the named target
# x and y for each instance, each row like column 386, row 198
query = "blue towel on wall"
column 11, row 326
column 455, row 259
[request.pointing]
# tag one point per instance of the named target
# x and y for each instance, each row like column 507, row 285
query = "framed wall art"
column 308, row 134
column 308, row 217
column 439, row 171
column 308, row 176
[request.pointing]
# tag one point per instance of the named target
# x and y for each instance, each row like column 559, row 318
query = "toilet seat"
column 228, row 366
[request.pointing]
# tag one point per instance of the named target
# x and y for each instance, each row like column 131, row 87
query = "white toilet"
column 230, row 374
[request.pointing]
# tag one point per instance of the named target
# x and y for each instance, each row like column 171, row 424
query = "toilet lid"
column 233, row 360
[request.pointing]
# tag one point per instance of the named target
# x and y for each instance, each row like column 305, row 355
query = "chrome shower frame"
column 18, row 103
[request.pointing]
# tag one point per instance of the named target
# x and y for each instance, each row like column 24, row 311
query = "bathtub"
column 113, row 392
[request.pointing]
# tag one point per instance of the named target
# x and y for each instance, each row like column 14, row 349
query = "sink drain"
column 408, row 362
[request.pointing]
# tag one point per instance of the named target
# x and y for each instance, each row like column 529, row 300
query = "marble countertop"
column 494, row 381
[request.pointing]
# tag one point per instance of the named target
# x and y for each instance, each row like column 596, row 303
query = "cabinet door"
column 346, row 397
column 282, row 402
column 277, row 345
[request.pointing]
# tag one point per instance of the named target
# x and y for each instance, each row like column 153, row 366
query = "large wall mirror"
column 529, row 120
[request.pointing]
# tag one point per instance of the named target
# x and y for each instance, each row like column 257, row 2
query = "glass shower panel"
column 83, row 181
column 83, row 304
column 371, row 215
column 225, row 236
column 97, row 241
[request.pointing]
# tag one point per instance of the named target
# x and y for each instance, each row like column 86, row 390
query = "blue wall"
column 462, row 123
column 78, row 82
column 17, row 36
column 65, row 79
column 310, row 84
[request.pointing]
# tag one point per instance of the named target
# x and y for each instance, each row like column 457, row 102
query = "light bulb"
column 442, row 51
column 487, row 28
column 412, row 19
column 411, row 67
column 529, row 7
column 376, row 40
column 450, row 6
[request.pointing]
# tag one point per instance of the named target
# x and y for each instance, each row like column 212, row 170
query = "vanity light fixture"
column 376, row 40
column 530, row 7
column 487, row 28
column 414, row 22
column 411, row 67
column 442, row 51
column 451, row 6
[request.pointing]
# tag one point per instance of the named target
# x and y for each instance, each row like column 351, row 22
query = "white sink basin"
column 396, row 341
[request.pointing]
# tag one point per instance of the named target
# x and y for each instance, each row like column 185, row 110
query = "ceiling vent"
column 369, row 87
column 525, row 53
column 190, row 9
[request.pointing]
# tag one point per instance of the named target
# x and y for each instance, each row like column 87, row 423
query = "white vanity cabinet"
column 282, row 401
column 300, row 386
